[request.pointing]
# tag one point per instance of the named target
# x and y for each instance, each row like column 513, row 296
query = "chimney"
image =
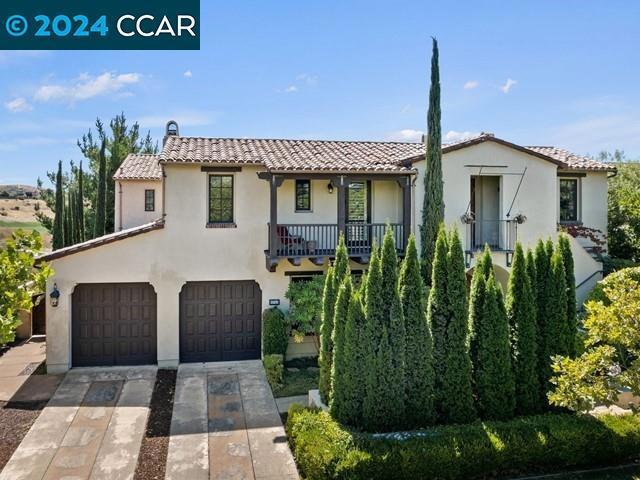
column 171, row 130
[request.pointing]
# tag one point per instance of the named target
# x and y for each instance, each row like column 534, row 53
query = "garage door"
column 220, row 321
column 113, row 324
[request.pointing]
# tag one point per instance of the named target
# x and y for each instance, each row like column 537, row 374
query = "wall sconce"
column 330, row 187
column 54, row 296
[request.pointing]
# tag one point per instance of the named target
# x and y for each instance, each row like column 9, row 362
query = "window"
column 569, row 200
column 303, row 195
column 149, row 200
column 220, row 198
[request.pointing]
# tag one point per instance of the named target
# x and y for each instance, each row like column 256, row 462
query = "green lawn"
column 614, row 473
column 301, row 381
column 22, row 225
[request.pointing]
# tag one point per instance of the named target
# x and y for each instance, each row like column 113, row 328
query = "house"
column 211, row 231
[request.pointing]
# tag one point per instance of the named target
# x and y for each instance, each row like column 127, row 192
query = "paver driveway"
column 91, row 428
column 225, row 425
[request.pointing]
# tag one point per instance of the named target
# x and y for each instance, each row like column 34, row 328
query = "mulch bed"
column 152, row 460
column 16, row 419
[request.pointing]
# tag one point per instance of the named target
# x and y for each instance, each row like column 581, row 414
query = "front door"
column 358, row 215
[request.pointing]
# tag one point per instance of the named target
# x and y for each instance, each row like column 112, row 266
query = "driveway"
column 225, row 425
column 91, row 428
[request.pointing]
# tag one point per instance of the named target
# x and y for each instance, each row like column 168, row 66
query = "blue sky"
column 559, row 73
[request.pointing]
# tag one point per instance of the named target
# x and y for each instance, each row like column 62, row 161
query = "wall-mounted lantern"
column 54, row 296
column 330, row 187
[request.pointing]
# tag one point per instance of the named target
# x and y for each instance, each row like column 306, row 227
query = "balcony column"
column 274, row 182
column 341, row 184
column 405, row 184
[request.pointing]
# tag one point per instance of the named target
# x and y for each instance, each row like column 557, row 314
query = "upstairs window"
column 569, row 198
column 220, row 198
column 303, row 195
column 149, row 200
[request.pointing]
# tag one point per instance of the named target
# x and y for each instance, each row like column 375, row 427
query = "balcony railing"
column 320, row 240
column 498, row 234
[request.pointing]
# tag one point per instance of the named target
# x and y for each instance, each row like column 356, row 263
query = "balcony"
column 500, row 235
column 318, row 241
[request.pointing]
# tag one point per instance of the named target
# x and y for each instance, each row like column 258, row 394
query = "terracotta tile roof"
column 104, row 240
column 573, row 161
column 563, row 158
column 293, row 155
column 139, row 166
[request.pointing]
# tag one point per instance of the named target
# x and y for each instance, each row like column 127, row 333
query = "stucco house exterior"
column 210, row 232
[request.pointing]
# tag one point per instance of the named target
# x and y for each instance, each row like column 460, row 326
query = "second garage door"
column 220, row 321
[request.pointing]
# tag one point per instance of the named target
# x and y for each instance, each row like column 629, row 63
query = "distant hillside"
column 20, row 213
column 18, row 191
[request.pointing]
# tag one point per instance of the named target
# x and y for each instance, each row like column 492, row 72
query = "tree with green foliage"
column 275, row 337
column 419, row 378
column 393, row 316
column 494, row 380
column 457, row 392
column 438, row 313
column 564, row 247
column 340, row 264
column 609, row 363
column 305, row 308
column 20, row 280
column 374, row 300
column 339, row 405
column 382, row 401
column 432, row 203
column 533, row 280
column 623, row 239
column 100, row 212
column 326, row 330
column 524, row 335
column 543, row 291
column 80, row 206
column 481, row 272
column 58, row 222
column 555, row 331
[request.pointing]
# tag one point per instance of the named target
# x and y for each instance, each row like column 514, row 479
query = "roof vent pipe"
column 172, row 130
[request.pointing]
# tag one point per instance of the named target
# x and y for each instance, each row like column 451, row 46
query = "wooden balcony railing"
column 320, row 240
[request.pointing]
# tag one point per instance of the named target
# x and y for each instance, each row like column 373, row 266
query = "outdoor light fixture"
column 54, row 295
column 330, row 187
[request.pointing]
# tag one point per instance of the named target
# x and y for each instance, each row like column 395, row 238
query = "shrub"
column 340, row 366
column 274, row 332
column 564, row 247
column 326, row 330
column 326, row 450
column 305, row 307
column 274, row 368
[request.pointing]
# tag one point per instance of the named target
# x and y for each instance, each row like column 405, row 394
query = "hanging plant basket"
column 467, row 218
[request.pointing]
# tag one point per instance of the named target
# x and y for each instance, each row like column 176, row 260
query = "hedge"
column 274, row 369
column 275, row 337
column 326, row 450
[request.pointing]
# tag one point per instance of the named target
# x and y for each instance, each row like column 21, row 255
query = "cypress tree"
column 486, row 263
column 432, row 203
column 382, row 402
column 438, row 314
column 338, row 405
column 326, row 330
column 533, row 279
column 80, row 206
column 524, row 336
column 340, row 264
column 393, row 317
column 348, row 388
column 71, row 216
column 457, row 394
column 483, row 269
column 100, row 219
column 494, row 381
column 543, row 287
column 419, row 407
column 68, row 227
column 58, row 221
column 559, row 334
column 564, row 247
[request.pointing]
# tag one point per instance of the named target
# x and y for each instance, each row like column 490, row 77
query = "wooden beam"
column 353, row 176
column 220, row 169
column 341, row 186
column 317, row 261
column 272, row 263
column 361, row 260
column 273, row 217
column 295, row 261
column 406, row 211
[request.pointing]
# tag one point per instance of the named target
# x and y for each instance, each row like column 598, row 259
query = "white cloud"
column 471, row 84
column 86, row 87
column 188, row 74
column 405, row 135
column 18, row 105
column 453, row 136
column 291, row 89
column 508, row 84
column 311, row 80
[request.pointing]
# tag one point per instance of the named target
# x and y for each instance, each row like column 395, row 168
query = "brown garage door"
column 113, row 324
column 220, row 321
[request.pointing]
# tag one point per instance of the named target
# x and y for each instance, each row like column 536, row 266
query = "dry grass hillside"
column 16, row 213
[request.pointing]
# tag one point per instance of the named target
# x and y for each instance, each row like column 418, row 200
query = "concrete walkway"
column 225, row 425
column 91, row 428
column 16, row 367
